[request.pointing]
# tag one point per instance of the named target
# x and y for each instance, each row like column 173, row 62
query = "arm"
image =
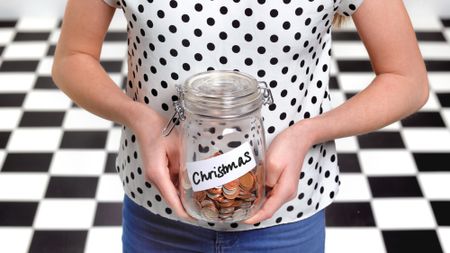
column 77, row 72
column 76, row 68
column 400, row 87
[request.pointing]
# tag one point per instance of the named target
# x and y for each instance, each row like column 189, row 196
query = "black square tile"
column 45, row 82
column 395, row 187
column 333, row 83
column 67, row 241
column 17, row 213
column 31, row 36
column 112, row 66
column 51, row 50
column 7, row 23
column 4, row 137
column 423, row 119
column 27, row 162
column 432, row 161
column 348, row 162
column 84, row 139
column 11, row 99
column 430, row 36
column 345, row 36
column 354, row 66
column 349, row 214
column 116, row 36
column 115, row 124
column 349, row 95
column 441, row 210
column 108, row 214
column 72, row 187
column 110, row 166
column 437, row 65
column 41, row 119
column 381, row 139
column 446, row 22
column 444, row 99
column 60, row 23
column 1, row 50
column 19, row 66
column 402, row 241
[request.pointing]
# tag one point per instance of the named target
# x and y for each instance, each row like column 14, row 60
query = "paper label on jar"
column 219, row 170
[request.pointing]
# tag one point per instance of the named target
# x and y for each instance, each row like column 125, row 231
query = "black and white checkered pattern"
column 59, row 191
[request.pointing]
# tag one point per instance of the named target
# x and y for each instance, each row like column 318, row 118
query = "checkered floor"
column 59, row 191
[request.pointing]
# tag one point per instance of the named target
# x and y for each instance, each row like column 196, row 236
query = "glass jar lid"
column 221, row 93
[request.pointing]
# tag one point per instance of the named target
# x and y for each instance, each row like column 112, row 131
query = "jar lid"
column 221, row 93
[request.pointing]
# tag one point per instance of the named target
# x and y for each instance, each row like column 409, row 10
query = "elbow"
column 424, row 87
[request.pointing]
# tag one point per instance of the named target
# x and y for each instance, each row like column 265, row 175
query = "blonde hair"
column 338, row 20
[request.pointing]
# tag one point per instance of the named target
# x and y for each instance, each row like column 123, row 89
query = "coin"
column 246, row 181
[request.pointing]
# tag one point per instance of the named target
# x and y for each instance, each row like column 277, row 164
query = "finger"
column 279, row 195
column 273, row 172
column 169, row 192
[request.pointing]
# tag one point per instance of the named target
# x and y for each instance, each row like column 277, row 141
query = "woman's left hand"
column 284, row 159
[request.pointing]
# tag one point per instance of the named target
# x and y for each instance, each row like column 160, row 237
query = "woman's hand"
column 284, row 159
column 160, row 156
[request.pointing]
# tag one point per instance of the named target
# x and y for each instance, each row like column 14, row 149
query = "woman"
column 285, row 43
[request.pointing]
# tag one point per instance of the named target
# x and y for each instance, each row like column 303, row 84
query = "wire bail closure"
column 179, row 110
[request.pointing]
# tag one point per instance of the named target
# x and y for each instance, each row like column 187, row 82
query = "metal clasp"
column 178, row 111
column 267, row 93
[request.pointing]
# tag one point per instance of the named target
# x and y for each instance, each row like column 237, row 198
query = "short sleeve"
column 113, row 3
column 348, row 7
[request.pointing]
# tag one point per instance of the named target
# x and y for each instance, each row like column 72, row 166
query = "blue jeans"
column 143, row 231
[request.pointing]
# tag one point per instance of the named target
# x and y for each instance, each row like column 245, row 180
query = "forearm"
column 83, row 79
column 389, row 98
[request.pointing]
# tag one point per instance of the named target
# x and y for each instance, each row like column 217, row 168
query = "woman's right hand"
column 160, row 155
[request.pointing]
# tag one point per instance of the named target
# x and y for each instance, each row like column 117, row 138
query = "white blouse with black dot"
column 286, row 43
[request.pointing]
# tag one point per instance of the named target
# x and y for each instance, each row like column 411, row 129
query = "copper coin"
column 246, row 181
column 231, row 185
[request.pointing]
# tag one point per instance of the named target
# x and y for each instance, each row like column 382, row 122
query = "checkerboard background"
column 59, row 191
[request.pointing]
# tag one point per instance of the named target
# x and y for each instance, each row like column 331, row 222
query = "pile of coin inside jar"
column 231, row 201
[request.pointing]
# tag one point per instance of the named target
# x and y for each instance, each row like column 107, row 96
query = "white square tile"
column 10, row 118
column 110, row 188
column 80, row 119
column 65, row 214
column 353, row 240
column 78, row 162
column 349, row 50
column 35, row 139
column 30, row 23
column 435, row 50
column 427, row 139
column 445, row 113
column 347, row 144
column 23, row 186
column 113, row 51
column 435, row 185
column 104, row 239
column 402, row 213
column 333, row 67
column 390, row 162
column 16, row 82
column 444, row 235
column 15, row 240
column 354, row 187
column 2, row 157
column 439, row 80
column 337, row 98
column 432, row 103
column 45, row 66
column 47, row 100
column 118, row 22
column 113, row 140
column 54, row 36
column 25, row 50
column 117, row 78
column 393, row 126
column 355, row 82
column 6, row 36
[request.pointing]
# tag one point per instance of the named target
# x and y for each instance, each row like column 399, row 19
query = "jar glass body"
column 233, row 143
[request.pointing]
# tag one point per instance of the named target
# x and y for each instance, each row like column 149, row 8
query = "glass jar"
column 222, row 175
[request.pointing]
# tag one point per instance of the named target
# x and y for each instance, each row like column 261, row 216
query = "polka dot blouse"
column 282, row 42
